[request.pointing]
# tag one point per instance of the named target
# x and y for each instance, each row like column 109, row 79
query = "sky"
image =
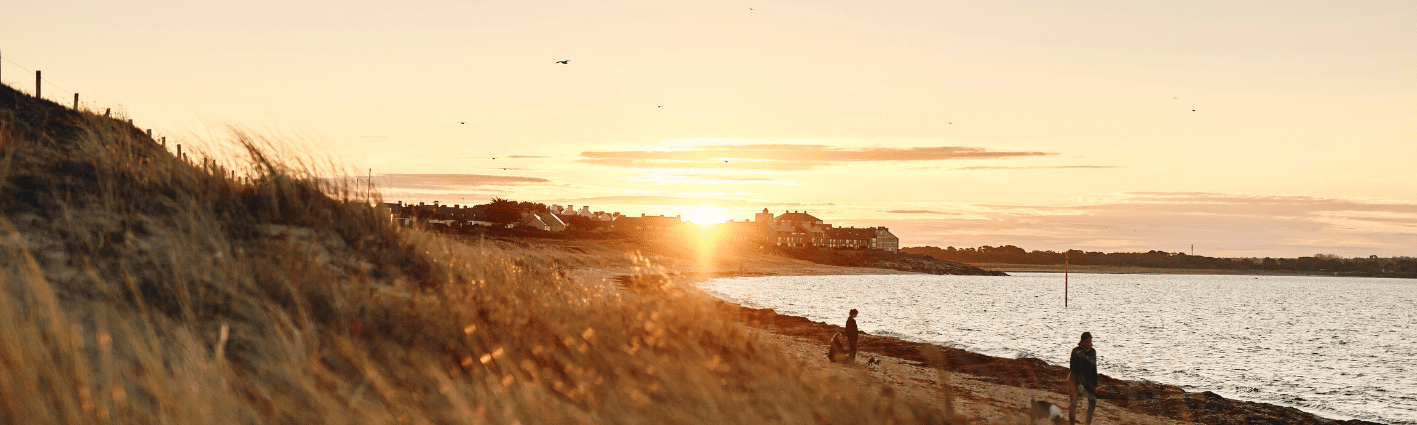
column 1219, row 128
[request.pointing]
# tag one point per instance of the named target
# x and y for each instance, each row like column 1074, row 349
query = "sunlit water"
column 1338, row 347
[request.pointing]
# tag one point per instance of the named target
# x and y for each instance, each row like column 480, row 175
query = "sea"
column 1339, row 347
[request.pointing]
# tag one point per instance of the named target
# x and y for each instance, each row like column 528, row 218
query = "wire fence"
column 40, row 91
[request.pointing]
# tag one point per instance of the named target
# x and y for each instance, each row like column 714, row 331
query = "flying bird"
column 564, row 62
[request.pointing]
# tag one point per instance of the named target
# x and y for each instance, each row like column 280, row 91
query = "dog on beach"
column 1039, row 409
column 836, row 349
column 873, row 364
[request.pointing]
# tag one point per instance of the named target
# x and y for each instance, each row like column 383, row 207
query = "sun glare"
column 705, row 215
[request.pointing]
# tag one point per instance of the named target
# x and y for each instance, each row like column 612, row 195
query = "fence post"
column 150, row 133
column 36, row 85
column 76, row 101
column 179, row 150
column 106, row 111
column 164, row 142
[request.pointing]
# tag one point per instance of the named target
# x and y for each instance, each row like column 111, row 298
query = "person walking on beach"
column 851, row 332
column 1083, row 377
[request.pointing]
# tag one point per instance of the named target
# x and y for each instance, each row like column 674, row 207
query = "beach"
column 983, row 388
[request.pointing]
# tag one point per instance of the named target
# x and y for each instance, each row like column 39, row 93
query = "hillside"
column 143, row 288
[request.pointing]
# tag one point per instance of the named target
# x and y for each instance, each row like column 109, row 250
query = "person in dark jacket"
column 851, row 332
column 1082, row 372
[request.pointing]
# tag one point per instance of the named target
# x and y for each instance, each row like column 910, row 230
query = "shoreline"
column 1089, row 269
column 1139, row 397
column 989, row 388
column 985, row 388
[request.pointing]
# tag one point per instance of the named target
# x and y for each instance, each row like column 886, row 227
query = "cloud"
column 1040, row 167
column 785, row 156
column 1217, row 224
column 437, row 182
column 693, row 178
column 921, row 212
column 490, row 158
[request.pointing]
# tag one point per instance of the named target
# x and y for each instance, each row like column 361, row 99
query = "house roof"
column 851, row 233
column 797, row 216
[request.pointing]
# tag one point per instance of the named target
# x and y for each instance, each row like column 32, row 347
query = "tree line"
column 1320, row 263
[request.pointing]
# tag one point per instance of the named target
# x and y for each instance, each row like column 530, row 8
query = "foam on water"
column 1338, row 347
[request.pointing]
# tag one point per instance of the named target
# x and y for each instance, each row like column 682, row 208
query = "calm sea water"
column 1338, row 347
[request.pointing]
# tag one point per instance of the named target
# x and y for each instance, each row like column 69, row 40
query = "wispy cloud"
column 921, row 212
column 493, row 158
column 714, row 178
column 427, row 182
column 1216, row 223
column 1027, row 168
column 785, row 156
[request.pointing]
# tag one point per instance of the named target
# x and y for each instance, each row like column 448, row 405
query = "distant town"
column 797, row 229
column 800, row 229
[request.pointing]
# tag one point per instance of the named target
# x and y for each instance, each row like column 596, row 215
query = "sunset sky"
column 1257, row 128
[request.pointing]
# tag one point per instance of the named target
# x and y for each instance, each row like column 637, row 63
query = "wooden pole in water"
column 1065, row 279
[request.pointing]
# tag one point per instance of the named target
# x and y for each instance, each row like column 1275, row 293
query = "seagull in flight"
column 564, row 62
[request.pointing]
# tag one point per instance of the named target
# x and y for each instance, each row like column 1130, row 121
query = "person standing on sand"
column 851, row 332
column 1083, row 376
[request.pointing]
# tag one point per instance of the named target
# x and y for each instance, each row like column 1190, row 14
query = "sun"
column 705, row 215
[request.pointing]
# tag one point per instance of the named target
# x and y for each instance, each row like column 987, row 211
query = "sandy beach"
column 982, row 388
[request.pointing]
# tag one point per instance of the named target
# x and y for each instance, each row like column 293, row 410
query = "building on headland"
column 435, row 214
column 543, row 221
column 796, row 229
column 647, row 225
column 802, row 230
column 584, row 219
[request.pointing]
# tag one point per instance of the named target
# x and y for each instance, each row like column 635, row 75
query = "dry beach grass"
column 138, row 287
column 142, row 288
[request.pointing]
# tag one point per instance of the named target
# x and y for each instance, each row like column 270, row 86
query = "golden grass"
column 140, row 288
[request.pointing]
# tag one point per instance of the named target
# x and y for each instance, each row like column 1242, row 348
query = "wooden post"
column 106, row 111
column 164, row 142
column 36, row 84
column 1065, row 279
column 76, row 101
column 179, row 151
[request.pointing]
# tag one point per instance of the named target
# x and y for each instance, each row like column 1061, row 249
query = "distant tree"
column 502, row 211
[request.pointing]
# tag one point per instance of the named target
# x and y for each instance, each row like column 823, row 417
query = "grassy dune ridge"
column 142, row 288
